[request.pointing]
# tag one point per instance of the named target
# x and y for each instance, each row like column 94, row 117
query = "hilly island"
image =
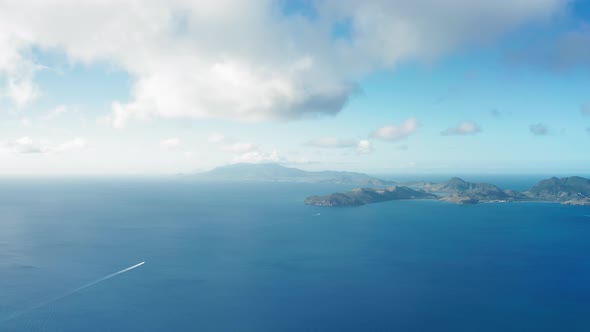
column 573, row 190
column 569, row 191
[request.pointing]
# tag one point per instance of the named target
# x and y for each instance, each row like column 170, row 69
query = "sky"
column 380, row 86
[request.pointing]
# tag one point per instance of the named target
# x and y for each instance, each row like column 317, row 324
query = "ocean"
column 253, row 257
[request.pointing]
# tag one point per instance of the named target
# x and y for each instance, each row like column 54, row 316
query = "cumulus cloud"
column 539, row 129
column 397, row 132
column 364, row 147
column 29, row 145
column 170, row 143
column 585, row 109
column 25, row 145
column 239, row 59
column 258, row 157
column 463, row 128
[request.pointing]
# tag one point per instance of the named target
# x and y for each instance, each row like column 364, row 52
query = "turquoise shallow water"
column 252, row 257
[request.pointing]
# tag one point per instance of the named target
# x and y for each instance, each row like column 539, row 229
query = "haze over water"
column 252, row 257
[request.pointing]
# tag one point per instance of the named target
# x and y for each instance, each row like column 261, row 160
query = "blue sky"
column 377, row 86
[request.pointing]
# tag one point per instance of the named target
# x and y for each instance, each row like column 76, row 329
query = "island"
column 569, row 191
column 272, row 172
column 573, row 190
column 362, row 196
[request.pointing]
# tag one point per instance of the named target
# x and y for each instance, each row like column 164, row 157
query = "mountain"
column 463, row 192
column 276, row 172
column 459, row 186
column 569, row 191
column 364, row 196
column 455, row 190
column 573, row 190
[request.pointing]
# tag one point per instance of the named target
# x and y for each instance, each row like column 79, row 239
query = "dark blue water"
column 252, row 257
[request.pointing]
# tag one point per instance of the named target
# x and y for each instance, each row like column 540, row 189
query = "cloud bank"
column 245, row 60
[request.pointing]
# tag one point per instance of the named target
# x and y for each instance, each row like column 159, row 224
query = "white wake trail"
column 90, row 284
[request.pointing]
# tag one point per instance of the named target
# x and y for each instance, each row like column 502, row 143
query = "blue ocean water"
column 252, row 257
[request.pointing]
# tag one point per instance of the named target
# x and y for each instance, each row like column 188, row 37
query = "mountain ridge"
column 573, row 190
column 279, row 173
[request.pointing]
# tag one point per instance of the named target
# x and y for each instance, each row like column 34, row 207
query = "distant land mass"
column 362, row 196
column 457, row 190
column 276, row 172
column 570, row 191
column 573, row 190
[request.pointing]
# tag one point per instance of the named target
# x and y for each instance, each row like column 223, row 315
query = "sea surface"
column 253, row 257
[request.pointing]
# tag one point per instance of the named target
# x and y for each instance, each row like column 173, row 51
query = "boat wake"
column 55, row 299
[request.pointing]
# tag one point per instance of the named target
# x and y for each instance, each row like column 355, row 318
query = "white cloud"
column 463, row 128
column 237, row 59
column 332, row 142
column 364, row 147
column 258, row 157
column 58, row 111
column 539, row 129
column 29, row 145
column 17, row 70
column 25, row 145
column 22, row 91
column 246, row 152
column 397, row 132
column 170, row 143
column 361, row 146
